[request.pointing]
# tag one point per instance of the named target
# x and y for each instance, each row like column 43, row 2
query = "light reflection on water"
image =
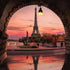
column 35, row 62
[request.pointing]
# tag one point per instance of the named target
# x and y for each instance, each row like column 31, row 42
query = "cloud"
column 29, row 26
column 49, row 28
column 61, row 32
column 29, row 20
column 19, row 28
column 53, row 23
column 52, row 28
column 15, row 28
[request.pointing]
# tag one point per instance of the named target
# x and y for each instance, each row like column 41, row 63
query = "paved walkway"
column 36, row 51
column 40, row 48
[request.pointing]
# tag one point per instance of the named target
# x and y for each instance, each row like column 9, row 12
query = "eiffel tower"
column 35, row 28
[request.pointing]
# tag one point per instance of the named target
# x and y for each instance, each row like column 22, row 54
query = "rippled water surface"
column 35, row 62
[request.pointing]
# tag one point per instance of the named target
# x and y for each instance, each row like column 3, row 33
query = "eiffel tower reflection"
column 35, row 61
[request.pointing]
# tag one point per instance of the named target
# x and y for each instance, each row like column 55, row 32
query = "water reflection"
column 37, row 63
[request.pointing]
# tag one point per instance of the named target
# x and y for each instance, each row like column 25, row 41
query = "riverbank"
column 36, row 51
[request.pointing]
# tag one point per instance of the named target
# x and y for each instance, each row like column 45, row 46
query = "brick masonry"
column 9, row 7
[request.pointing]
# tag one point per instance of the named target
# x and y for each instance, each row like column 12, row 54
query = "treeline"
column 45, row 38
column 12, row 40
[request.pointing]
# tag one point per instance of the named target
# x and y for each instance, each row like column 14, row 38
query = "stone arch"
column 58, row 6
column 12, row 7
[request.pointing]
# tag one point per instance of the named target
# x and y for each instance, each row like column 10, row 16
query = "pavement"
column 36, row 51
column 39, row 47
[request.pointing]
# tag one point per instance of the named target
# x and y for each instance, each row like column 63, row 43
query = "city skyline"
column 23, row 20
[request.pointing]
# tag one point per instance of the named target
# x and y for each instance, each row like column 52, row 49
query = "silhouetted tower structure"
column 35, row 61
column 35, row 28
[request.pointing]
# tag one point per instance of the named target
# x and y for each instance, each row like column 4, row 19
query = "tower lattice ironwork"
column 35, row 28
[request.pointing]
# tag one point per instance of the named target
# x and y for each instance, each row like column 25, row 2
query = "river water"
column 23, row 62
column 33, row 62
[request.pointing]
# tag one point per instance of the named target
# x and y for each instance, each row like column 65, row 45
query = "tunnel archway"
column 59, row 7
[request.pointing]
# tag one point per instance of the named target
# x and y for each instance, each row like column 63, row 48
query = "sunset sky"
column 23, row 20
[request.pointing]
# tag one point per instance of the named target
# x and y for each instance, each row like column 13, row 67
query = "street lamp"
column 40, row 11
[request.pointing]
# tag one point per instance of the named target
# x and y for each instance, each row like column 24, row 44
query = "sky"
column 23, row 20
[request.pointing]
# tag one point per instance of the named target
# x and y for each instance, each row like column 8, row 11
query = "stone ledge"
column 3, row 51
column 2, row 58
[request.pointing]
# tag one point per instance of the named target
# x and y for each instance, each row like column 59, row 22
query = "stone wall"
column 3, row 41
column 8, row 7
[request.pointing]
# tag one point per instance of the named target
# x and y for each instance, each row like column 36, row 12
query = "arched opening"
column 11, row 6
column 44, row 25
column 25, row 19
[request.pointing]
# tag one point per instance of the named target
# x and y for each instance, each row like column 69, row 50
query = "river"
column 33, row 62
column 23, row 62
